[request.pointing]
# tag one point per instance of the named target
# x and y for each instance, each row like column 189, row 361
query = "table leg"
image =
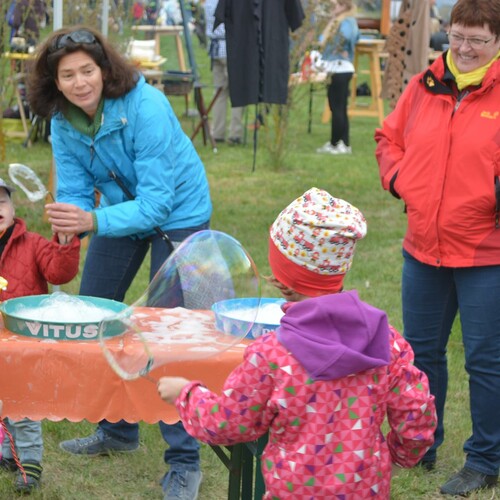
column 260, row 487
column 247, row 456
column 239, row 460
column 180, row 53
column 204, row 112
column 309, row 123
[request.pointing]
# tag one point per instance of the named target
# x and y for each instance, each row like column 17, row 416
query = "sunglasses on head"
column 79, row 36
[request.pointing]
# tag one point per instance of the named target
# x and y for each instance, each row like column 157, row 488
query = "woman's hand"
column 169, row 388
column 68, row 219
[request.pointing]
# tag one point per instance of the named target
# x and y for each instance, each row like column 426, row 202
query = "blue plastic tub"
column 241, row 316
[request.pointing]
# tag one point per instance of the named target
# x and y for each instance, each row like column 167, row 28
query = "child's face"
column 288, row 294
column 6, row 210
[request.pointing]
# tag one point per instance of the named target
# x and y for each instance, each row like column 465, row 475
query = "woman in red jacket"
column 439, row 151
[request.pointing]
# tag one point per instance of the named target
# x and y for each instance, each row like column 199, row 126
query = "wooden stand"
column 160, row 31
column 16, row 78
column 373, row 50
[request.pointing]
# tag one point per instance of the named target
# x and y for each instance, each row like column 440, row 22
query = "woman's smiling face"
column 80, row 80
column 472, row 47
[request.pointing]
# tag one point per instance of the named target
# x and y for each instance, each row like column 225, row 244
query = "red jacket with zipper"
column 29, row 262
column 441, row 155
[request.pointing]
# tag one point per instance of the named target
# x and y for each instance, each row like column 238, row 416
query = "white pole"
column 105, row 17
column 57, row 14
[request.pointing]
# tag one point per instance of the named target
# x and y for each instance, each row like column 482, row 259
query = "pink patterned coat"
column 325, row 437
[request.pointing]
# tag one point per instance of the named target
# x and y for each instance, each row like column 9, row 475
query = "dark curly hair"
column 119, row 76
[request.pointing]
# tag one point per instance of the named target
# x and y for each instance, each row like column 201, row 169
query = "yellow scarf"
column 474, row 77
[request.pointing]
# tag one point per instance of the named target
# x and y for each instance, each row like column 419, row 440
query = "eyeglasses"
column 79, row 36
column 475, row 43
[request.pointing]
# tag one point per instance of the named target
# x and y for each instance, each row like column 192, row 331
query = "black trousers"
column 338, row 95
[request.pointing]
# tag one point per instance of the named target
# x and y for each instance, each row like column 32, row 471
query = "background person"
column 323, row 383
column 27, row 16
column 439, row 40
column 338, row 42
column 218, row 61
column 439, row 152
column 113, row 132
column 29, row 262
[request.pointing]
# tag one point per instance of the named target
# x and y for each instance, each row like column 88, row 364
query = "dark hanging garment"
column 257, row 38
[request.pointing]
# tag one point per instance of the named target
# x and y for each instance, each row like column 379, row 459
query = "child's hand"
column 169, row 388
column 65, row 238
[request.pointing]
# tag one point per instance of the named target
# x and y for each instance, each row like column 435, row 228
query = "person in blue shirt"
column 218, row 62
column 115, row 135
column 337, row 43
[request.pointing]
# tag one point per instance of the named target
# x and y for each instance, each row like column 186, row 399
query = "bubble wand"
column 26, row 179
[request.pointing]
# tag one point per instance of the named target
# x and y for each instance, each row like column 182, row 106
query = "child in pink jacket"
column 324, row 382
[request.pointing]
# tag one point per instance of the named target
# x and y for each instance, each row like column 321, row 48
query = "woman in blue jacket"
column 338, row 42
column 115, row 134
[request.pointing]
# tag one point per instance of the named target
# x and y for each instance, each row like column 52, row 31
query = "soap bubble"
column 173, row 321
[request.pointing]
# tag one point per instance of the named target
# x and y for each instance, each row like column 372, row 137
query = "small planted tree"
column 277, row 116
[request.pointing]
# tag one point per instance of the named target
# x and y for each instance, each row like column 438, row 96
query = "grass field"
column 245, row 204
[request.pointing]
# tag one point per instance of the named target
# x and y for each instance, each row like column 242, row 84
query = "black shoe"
column 33, row 471
column 428, row 465
column 467, row 481
column 234, row 141
column 8, row 464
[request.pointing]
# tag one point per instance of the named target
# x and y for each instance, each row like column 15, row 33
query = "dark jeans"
column 432, row 297
column 338, row 95
column 110, row 267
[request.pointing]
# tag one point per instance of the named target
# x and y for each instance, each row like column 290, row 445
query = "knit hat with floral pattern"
column 312, row 242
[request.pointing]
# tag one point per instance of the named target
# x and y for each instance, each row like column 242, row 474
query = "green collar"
column 81, row 121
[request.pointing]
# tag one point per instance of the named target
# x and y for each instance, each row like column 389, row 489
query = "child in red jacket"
column 2, row 432
column 324, row 382
column 28, row 262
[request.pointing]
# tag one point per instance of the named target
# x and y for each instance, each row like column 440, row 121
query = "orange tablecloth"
column 47, row 379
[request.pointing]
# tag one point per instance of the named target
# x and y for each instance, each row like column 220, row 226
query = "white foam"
column 62, row 308
column 269, row 314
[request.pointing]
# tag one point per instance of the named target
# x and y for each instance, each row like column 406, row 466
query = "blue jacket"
column 141, row 140
column 344, row 40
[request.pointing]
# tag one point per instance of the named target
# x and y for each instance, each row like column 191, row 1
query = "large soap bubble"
column 173, row 320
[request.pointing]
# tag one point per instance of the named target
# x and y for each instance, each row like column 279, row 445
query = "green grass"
column 245, row 204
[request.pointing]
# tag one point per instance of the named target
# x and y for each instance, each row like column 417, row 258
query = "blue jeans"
column 27, row 436
column 432, row 297
column 110, row 267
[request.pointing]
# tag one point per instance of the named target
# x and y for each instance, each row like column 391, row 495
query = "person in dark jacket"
column 28, row 262
column 258, row 45
column 26, row 19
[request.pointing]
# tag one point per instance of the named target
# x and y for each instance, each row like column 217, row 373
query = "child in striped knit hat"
column 324, row 382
